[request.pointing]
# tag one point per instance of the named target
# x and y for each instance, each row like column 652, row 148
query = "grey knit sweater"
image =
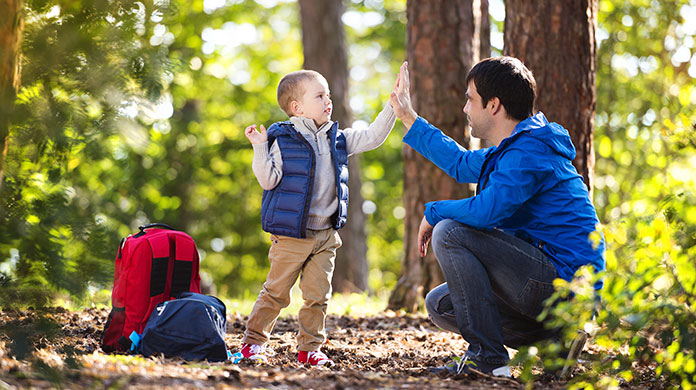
column 268, row 165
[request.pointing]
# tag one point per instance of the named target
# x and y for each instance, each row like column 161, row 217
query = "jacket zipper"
column 482, row 185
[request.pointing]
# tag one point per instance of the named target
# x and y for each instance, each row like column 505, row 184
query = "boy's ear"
column 295, row 107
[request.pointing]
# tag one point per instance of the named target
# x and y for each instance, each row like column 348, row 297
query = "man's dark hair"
column 510, row 81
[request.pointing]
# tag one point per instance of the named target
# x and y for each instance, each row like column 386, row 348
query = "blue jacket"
column 284, row 209
column 527, row 186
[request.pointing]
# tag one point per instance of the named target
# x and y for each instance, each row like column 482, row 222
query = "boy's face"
column 315, row 103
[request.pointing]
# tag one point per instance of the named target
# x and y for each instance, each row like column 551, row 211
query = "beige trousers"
column 313, row 257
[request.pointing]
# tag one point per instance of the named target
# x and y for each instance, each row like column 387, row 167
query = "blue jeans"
column 495, row 287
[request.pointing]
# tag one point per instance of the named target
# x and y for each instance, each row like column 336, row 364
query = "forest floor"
column 58, row 348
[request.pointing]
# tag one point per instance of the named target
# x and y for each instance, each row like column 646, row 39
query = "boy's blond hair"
column 291, row 87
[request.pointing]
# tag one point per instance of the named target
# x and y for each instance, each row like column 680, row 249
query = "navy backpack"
column 192, row 326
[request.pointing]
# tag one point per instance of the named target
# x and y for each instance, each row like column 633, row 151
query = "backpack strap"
column 170, row 266
column 120, row 247
column 173, row 257
column 135, row 342
column 152, row 225
column 182, row 262
column 160, row 268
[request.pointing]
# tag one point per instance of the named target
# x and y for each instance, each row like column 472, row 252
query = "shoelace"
column 257, row 349
column 318, row 355
column 461, row 365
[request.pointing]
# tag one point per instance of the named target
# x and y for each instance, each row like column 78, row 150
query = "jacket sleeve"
column 462, row 165
column 519, row 175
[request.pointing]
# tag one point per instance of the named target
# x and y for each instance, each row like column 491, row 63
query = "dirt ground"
column 388, row 351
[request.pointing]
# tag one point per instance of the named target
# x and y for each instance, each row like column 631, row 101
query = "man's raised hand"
column 400, row 98
column 254, row 136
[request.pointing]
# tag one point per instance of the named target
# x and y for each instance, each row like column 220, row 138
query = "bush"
column 645, row 316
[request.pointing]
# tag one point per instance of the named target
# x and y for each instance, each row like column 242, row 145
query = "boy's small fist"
column 254, row 136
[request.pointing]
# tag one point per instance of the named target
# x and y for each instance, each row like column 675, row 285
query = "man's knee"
column 442, row 232
column 431, row 303
column 449, row 233
column 434, row 300
column 440, row 310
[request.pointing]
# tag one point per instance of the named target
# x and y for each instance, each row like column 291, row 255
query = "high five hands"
column 400, row 98
column 254, row 136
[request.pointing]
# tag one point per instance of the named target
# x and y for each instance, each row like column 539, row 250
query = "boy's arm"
column 358, row 141
column 267, row 165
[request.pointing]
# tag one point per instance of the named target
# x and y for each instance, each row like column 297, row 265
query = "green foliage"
column 645, row 319
column 645, row 114
column 646, row 189
column 80, row 61
column 134, row 112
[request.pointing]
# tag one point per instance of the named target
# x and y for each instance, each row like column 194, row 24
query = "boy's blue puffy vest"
column 285, row 209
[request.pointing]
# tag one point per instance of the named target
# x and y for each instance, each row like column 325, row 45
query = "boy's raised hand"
column 254, row 136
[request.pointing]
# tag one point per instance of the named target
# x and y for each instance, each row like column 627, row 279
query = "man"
column 528, row 224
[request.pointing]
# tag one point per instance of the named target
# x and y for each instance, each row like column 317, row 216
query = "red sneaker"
column 315, row 358
column 254, row 352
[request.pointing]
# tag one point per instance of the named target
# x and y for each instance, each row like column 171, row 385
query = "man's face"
column 478, row 115
column 315, row 103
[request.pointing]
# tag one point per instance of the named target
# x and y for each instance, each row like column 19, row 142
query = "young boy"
column 302, row 165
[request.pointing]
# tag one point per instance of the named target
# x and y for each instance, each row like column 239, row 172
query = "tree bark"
column 11, row 28
column 556, row 40
column 484, row 52
column 485, row 48
column 324, row 49
column 443, row 44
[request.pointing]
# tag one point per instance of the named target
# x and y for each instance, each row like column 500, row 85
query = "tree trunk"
column 485, row 48
column 11, row 28
column 484, row 52
column 325, row 51
column 556, row 40
column 443, row 44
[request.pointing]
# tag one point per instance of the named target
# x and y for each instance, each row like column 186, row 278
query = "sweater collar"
column 307, row 125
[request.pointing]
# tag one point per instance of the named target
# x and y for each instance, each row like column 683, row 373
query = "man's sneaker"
column 315, row 358
column 463, row 366
column 450, row 368
column 253, row 352
column 502, row 371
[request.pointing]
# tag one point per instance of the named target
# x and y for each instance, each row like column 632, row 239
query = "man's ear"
column 295, row 107
column 495, row 105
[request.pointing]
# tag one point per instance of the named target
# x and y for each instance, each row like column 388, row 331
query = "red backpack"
column 152, row 266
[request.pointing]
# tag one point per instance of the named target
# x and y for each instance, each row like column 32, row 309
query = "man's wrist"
column 409, row 119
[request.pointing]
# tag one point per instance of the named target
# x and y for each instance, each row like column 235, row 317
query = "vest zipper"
column 337, row 170
column 308, row 199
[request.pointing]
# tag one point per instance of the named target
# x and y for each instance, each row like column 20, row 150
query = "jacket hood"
column 552, row 134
